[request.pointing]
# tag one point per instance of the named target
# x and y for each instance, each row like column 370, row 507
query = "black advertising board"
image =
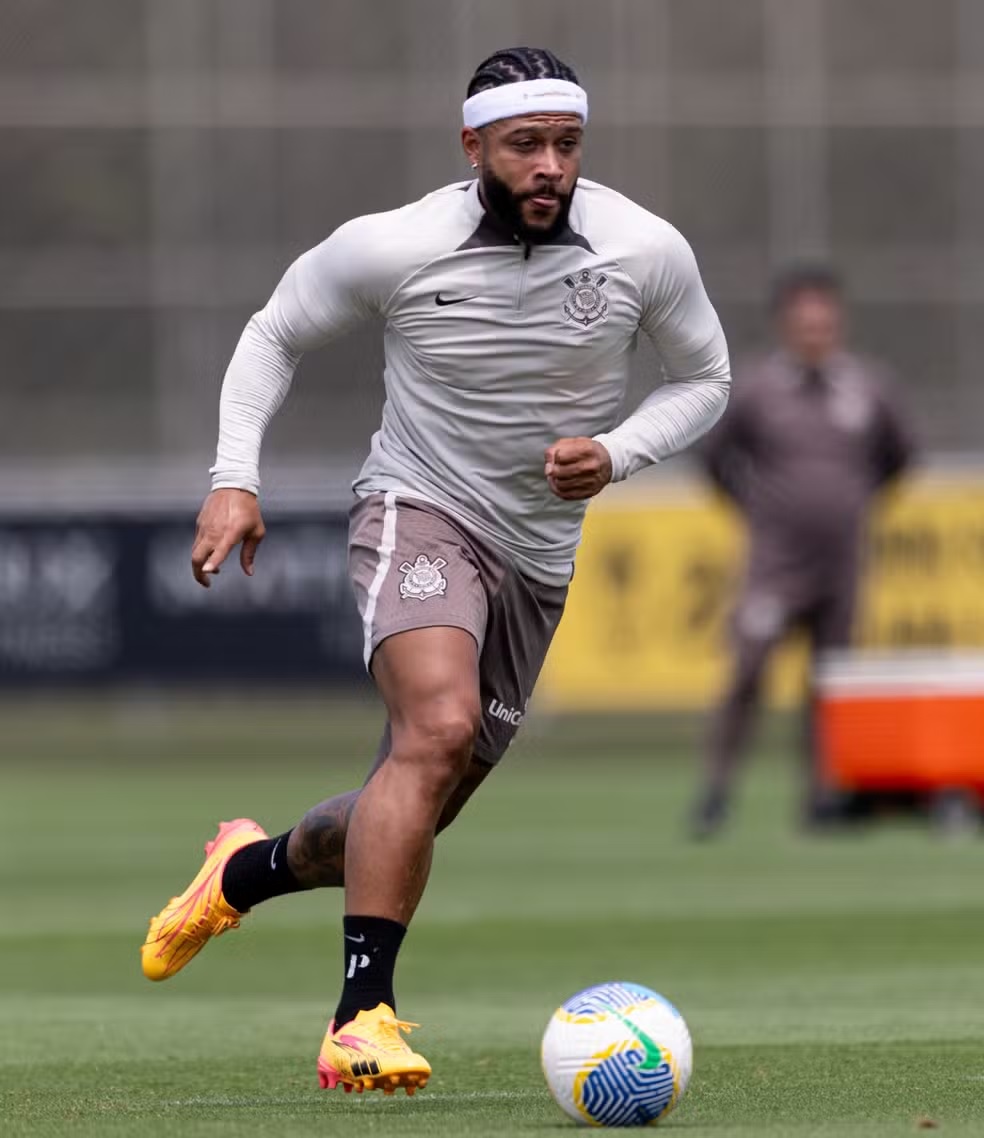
column 88, row 599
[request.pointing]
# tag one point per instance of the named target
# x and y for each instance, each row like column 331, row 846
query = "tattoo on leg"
column 316, row 852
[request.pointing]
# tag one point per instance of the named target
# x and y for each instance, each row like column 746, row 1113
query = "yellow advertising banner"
column 646, row 625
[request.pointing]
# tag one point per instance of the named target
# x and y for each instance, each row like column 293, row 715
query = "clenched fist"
column 227, row 518
column 577, row 468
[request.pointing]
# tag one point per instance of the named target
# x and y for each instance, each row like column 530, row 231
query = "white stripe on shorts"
column 387, row 543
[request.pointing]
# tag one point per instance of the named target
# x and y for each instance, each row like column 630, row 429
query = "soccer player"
column 812, row 436
column 512, row 304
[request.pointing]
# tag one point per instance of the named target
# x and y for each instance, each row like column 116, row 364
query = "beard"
column 507, row 207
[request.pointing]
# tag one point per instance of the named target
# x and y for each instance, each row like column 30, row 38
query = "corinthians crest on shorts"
column 586, row 302
column 423, row 578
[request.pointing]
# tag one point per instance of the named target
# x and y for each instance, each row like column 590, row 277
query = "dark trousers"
column 763, row 618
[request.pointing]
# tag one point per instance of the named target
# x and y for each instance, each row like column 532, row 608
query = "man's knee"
column 437, row 743
column 750, row 667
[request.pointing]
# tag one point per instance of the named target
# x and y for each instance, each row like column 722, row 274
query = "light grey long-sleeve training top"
column 493, row 351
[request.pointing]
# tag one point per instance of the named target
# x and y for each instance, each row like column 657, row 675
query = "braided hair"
column 516, row 65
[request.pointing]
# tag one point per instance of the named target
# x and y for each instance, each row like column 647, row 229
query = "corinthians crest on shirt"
column 586, row 300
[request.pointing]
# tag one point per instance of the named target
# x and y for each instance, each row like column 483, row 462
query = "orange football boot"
column 369, row 1053
column 181, row 929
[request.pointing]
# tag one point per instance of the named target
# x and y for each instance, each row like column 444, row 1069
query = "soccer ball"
column 617, row 1054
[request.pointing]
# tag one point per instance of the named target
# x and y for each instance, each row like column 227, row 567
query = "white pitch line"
column 270, row 1100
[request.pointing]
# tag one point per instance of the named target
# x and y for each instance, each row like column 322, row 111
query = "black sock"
column 371, row 945
column 258, row 872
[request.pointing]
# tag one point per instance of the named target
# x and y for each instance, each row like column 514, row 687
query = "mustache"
column 544, row 192
column 506, row 204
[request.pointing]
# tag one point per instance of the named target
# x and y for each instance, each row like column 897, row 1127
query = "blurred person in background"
column 513, row 303
column 811, row 436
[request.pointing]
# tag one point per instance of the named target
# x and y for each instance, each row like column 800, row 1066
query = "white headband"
column 531, row 97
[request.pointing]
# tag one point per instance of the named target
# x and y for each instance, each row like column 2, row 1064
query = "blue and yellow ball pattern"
column 617, row 1054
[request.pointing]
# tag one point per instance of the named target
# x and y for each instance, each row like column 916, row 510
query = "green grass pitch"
column 833, row 987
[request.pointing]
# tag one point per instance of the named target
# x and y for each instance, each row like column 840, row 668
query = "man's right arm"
column 325, row 292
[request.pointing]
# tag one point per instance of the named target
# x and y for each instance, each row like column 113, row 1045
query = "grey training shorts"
column 414, row 566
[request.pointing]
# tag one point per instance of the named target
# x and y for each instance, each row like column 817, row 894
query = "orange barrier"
column 902, row 723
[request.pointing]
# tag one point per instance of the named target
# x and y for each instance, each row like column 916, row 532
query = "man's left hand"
column 577, row 468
